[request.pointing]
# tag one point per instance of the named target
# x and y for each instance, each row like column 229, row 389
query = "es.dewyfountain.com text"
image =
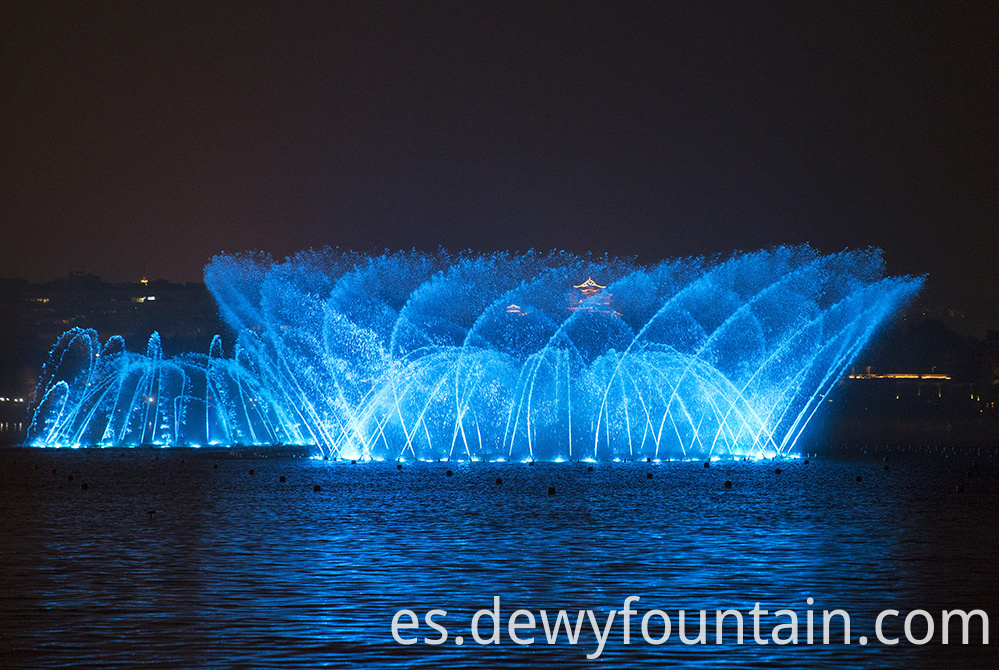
column 632, row 625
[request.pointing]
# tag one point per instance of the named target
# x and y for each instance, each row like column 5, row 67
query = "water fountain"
column 502, row 356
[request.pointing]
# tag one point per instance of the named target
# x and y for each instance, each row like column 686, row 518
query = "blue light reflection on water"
column 239, row 569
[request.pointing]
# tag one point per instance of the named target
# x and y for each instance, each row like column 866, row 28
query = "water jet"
column 530, row 356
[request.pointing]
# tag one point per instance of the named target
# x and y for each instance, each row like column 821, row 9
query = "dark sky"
column 141, row 138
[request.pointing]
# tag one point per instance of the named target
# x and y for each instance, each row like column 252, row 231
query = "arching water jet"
column 502, row 356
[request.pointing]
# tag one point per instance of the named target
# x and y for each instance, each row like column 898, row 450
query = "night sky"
column 142, row 138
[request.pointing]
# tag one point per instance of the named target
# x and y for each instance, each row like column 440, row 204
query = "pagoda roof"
column 589, row 283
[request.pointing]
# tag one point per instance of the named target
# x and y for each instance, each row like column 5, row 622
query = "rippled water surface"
column 242, row 570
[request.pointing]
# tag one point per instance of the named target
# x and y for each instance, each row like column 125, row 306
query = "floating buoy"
column 398, row 466
column 648, row 475
column 859, row 478
column 251, row 471
column 728, row 484
column 551, row 490
column 353, row 462
column 648, row 459
column 69, row 478
column 84, row 486
column 777, row 471
column 707, row 464
column 448, row 473
column 589, row 468
column 531, row 463
column 282, row 478
column 498, row 481
column 316, row 488
column 886, row 468
column 959, row 488
column 151, row 511
column 806, row 461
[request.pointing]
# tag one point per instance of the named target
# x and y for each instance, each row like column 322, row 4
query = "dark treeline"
column 918, row 383
column 34, row 315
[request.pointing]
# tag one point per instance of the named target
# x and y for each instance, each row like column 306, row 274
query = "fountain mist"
column 501, row 356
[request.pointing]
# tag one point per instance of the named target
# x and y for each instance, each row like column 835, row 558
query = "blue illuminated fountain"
column 502, row 356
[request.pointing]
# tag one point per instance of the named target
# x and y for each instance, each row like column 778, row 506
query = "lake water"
column 241, row 570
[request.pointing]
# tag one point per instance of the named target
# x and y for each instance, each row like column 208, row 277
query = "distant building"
column 514, row 308
column 870, row 387
column 591, row 297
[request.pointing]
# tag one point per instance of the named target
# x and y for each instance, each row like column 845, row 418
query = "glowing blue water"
column 418, row 356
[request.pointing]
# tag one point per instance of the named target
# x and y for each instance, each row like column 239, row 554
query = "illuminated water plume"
column 424, row 356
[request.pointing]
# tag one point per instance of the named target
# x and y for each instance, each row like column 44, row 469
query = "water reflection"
column 239, row 569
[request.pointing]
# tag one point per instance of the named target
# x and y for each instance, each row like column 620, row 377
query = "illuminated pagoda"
column 514, row 308
column 591, row 297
